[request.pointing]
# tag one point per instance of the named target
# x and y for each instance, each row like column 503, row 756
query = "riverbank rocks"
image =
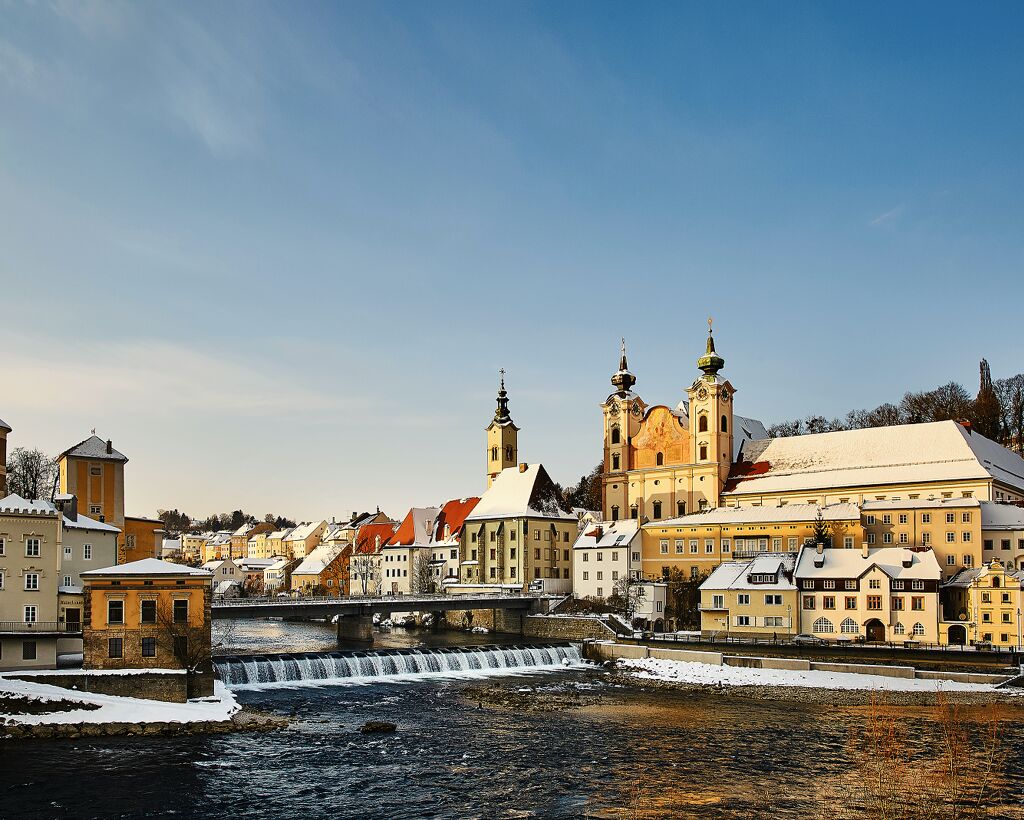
column 243, row 721
column 378, row 727
column 529, row 698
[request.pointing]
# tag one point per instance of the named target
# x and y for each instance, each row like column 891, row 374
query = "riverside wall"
column 171, row 687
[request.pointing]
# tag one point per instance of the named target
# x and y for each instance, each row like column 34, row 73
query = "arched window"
column 657, row 509
column 659, row 459
column 995, row 582
column 703, row 452
column 615, row 461
column 725, row 424
column 680, row 508
column 508, row 452
column 615, row 435
column 918, row 630
column 899, row 629
column 494, row 454
column 849, row 627
column 633, row 513
column 702, row 423
column 824, row 625
column 615, row 513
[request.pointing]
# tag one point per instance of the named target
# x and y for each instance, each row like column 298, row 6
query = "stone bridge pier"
column 355, row 628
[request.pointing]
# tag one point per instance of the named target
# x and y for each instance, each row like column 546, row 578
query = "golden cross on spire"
column 709, row 324
column 502, row 372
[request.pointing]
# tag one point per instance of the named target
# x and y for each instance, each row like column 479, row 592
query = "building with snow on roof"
column 323, row 572
column 302, row 540
column 888, row 594
column 982, row 605
column 446, row 541
column 1002, row 533
column 755, row 598
column 605, row 556
column 405, row 558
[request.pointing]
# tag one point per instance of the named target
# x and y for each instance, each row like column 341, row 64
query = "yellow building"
column 696, row 544
column 240, row 538
column 983, row 604
column 1002, row 533
column 751, row 599
column 192, row 546
column 323, row 572
column 305, row 538
column 887, row 594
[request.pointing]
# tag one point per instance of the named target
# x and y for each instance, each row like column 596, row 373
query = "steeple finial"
column 623, row 380
column 501, row 415
column 710, row 362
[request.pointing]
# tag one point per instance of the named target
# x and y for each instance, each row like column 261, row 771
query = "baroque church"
column 661, row 461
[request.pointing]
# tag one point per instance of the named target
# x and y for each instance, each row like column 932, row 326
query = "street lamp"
column 789, row 618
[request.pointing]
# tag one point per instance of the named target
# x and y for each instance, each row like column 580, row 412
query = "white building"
column 603, row 556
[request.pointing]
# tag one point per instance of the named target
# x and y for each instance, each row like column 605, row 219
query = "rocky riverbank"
column 243, row 721
column 554, row 698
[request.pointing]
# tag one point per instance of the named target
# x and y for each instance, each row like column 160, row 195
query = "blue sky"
column 278, row 252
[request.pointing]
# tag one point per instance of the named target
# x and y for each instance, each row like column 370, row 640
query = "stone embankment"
column 243, row 721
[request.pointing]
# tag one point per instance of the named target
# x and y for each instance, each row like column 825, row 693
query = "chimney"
column 820, row 547
column 864, row 550
column 966, row 425
column 110, row 447
column 523, row 467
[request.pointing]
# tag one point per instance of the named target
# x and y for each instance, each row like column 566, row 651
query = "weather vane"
column 502, row 372
column 709, row 324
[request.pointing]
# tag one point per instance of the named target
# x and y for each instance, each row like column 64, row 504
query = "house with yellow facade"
column 303, row 539
column 1002, row 534
column 755, row 598
column 983, row 605
column 888, row 594
column 323, row 572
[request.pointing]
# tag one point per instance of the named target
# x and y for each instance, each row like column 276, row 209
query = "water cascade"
column 371, row 666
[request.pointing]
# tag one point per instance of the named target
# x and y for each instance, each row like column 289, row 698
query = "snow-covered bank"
column 710, row 675
column 113, row 709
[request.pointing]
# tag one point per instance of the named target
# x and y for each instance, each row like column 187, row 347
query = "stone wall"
column 171, row 687
column 566, row 628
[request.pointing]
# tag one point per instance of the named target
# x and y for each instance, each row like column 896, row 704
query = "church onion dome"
column 710, row 362
column 623, row 380
column 501, row 415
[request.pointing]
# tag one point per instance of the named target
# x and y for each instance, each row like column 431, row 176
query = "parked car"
column 812, row 640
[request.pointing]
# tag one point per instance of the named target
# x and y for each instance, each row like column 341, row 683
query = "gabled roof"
column 245, row 529
column 319, row 559
column 903, row 454
column 453, row 515
column 368, row 534
column 95, row 448
column 147, row 566
column 615, row 534
column 303, row 531
column 529, row 493
column 1001, row 516
column 416, row 527
column 844, row 563
column 5, row 426
column 736, row 574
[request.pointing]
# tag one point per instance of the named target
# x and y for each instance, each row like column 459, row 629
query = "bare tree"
column 422, row 580
column 189, row 643
column 31, row 474
column 365, row 570
column 632, row 592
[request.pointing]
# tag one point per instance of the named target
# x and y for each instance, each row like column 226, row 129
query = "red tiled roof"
column 454, row 513
column 366, row 540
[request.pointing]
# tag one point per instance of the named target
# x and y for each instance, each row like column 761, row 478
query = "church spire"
column 501, row 415
column 710, row 362
column 623, row 380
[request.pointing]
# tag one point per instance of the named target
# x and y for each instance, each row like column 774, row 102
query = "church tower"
column 711, row 427
column 623, row 412
column 502, row 437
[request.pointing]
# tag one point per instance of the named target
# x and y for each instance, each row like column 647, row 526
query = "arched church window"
column 615, row 461
column 680, row 508
column 703, row 452
column 633, row 512
column 702, row 423
column 657, row 509
column 615, row 512
column 659, row 459
column 494, row 454
column 615, row 435
column 725, row 424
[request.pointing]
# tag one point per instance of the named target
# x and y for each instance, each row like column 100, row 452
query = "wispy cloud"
column 889, row 215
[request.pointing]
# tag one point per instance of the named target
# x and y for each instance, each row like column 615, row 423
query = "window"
column 1004, row 544
column 875, row 583
column 875, row 602
column 869, row 520
column 742, row 620
column 808, row 602
column 968, row 560
column 774, row 620
column 776, row 545
column 828, row 602
column 926, row 538
column 31, row 581
column 181, row 611
column 703, row 452
column 709, row 545
column 899, row 629
column 95, row 469
column 115, row 648
column 849, row 627
column 918, row 585
column 615, row 512
column 828, row 584
column 918, row 630
column 67, row 552
column 851, row 602
column 3, row 546
column 600, row 575
column 926, row 518
column 823, row 625
column 636, row 556
column 115, row 612
column 633, row 511
column 886, row 537
column 66, row 582
column 848, row 542
column 725, row 424
column 702, row 423
column 950, row 518
column 903, row 518
column 615, row 461
column 664, row 546
column 871, row 538
column 680, row 508
column 904, row 538
column 95, row 509
column 32, row 547
column 656, row 509
column 966, row 536
column 792, row 544
column 616, row 435
column 1006, row 617
column 1, row 580
column 897, row 585
column 148, row 615
column 659, row 459
column 897, row 602
column 725, row 545
column 694, row 572
column 680, row 546
column 966, row 518
column 615, row 556
column 718, row 601
column 951, row 560
column 743, row 598
column 807, row 583
column 30, row 613
column 149, row 647
column 887, row 519
column 693, row 546
column 28, row 650
column 851, row 584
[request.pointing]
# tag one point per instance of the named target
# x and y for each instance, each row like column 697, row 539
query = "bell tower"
column 502, row 437
column 711, row 426
column 623, row 412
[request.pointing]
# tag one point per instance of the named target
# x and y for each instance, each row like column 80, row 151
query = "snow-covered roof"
column 95, row 448
column 253, row 564
column 224, row 586
column 416, row 527
column 245, row 529
column 5, row 426
column 280, row 563
column 615, row 534
column 14, row 503
column 71, row 589
column 844, row 563
column 1001, row 516
column 919, row 504
column 303, row 531
column 319, row 559
column 280, row 535
column 743, row 429
column 217, row 563
column 147, row 566
column 526, row 494
column 761, row 514
column 903, row 454
column 737, row 574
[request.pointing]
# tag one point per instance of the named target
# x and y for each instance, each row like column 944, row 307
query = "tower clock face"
column 702, row 393
column 725, row 394
column 636, row 409
column 614, row 410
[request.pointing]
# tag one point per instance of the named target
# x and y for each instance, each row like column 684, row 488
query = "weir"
column 373, row 666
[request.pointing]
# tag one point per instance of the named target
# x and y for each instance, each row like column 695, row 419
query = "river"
column 632, row 753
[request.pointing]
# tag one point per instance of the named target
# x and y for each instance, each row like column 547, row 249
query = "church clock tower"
column 502, row 437
column 711, row 427
column 623, row 412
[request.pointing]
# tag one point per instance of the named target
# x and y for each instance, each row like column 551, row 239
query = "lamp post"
column 789, row 618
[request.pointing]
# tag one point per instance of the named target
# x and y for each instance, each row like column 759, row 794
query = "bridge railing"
column 375, row 599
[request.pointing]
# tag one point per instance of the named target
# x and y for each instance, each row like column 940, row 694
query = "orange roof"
column 454, row 513
column 366, row 539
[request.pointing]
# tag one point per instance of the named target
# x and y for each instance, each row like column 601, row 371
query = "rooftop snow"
column 15, row 504
column 754, row 514
column 1001, row 516
column 96, row 448
column 736, row 574
column 843, row 563
column 919, row 504
column 304, row 531
column 615, row 534
column 519, row 495
column 5, row 426
column 146, row 566
column 319, row 559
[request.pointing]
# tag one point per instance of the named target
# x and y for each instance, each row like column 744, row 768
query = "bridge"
column 355, row 615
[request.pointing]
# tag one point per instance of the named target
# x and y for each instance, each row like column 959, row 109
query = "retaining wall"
column 166, row 686
column 566, row 628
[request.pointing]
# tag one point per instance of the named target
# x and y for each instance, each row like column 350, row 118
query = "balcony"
column 40, row 628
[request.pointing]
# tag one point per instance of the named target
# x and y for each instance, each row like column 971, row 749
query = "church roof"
column 743, row 429
column 95, row 448
column 520, row 493
column 903, row 454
